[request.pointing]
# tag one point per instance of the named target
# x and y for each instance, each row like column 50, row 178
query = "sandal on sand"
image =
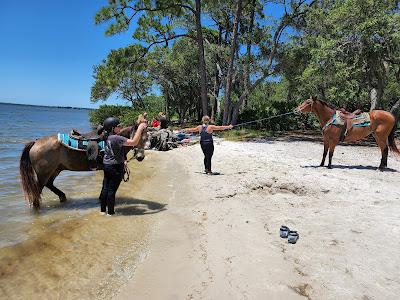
column 293, row 236
column 284, row 231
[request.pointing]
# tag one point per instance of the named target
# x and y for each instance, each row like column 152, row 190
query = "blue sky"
column 48, row 49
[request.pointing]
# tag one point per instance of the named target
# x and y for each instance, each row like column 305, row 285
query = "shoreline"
column 181, row 234
column 73, row 251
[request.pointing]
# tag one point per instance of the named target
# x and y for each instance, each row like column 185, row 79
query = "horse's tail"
column 30, row 183
column 391, row 137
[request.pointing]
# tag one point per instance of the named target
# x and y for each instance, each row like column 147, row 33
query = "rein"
column 268, row 118
column 127, row 173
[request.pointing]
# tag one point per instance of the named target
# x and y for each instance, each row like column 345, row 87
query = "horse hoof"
column 329, row 167
column 63, row 199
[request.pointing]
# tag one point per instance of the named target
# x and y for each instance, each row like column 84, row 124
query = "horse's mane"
column 326, row 104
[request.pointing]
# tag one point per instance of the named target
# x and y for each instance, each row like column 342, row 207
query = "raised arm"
column 216, row 128
column 135, row 140
column 193, row 129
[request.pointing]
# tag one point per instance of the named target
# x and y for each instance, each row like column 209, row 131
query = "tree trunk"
column 395, row 110
column 242, row 102
column 228, row 88
column 166, row 106
column 217, row 81
column 373, row 95
column 202, row 64
column 376, row 96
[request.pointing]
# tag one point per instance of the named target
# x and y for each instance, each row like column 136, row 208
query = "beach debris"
column 293, row 236
column 284, row 231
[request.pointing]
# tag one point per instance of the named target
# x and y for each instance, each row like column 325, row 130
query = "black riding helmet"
column 109, row 123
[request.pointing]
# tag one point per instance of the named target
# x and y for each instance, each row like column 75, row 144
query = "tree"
column 158, row 23
column 118, row 75
column 352, row 52
column 292, row 12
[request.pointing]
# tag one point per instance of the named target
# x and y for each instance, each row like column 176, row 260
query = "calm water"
column 66, row 250
column 21, row 124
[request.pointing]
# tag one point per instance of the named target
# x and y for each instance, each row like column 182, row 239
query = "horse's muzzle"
column 297, row 111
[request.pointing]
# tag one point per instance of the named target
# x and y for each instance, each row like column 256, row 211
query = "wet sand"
column 219, row 238
column 73, row 252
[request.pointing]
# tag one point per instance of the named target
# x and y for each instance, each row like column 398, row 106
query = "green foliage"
column 338, row 50
column 353, row 48
column 97, row 116
column 243, row 134
column 126, row 114
column 123, row 73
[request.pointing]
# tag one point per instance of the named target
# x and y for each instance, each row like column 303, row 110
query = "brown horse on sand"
column 382, row 126
column 42, row 160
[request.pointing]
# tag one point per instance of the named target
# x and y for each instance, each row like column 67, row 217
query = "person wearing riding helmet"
column 113, row 161
column 206, row 140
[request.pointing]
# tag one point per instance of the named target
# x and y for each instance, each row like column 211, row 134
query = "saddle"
column 93, row 147
column 348, row 120
column 344, row 114
column 79, row 142
column 90, row 136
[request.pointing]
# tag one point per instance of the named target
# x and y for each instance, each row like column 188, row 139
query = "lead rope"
column 268, row 118
column 127, row 172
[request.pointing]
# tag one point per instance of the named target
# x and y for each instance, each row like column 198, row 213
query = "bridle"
column 309, row 102
column 137, row 149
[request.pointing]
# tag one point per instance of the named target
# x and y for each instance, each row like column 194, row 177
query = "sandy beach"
column 181, row 234
column 219, row 236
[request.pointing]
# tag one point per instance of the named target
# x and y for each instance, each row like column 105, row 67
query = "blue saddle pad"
column 361, row 120
column 65, row 139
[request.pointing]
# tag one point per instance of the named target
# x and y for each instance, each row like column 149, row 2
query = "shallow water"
column 20, row 124
column 67, row 250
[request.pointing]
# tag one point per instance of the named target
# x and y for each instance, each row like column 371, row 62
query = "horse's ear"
column 313, row 98
column 100, row 129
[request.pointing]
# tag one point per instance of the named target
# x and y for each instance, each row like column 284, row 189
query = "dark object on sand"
column 284, row 231
column 293, row 236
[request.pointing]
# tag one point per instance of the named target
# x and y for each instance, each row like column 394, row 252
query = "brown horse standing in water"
column 42, row 160
column 382, row 126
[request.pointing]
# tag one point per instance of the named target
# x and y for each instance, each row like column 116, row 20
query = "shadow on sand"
column 354, row 167
column 123, row 206
column 310, row 136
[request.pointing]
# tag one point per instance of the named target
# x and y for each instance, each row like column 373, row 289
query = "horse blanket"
column 68, row 141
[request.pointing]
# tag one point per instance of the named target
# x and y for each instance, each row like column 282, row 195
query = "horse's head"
column 307, row 105
column 142, row 145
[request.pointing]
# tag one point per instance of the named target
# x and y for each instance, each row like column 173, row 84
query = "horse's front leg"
column 51, row 187
column 332, row 145
column 326, row 148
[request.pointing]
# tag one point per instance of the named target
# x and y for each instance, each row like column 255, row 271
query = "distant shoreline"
column 50, row 106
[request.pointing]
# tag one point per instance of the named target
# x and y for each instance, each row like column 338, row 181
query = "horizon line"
column 52, row 106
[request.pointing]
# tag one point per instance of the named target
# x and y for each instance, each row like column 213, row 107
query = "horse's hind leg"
column 326, row 148
column 51, row 187
column 384, row 150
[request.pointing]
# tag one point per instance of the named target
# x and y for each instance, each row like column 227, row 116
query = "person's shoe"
column 110, row 215
column 284, row 231
column 103, row 213
column 293, row 237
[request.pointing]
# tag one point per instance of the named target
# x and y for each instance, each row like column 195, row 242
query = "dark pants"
column 208, row 150
column 113, row 175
